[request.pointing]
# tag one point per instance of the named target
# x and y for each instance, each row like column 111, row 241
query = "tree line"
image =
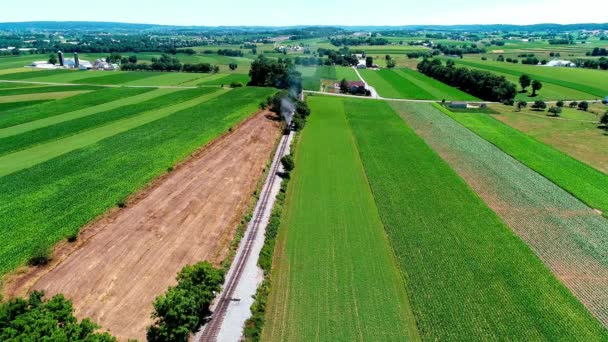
column 482, row 84
column 165, row 63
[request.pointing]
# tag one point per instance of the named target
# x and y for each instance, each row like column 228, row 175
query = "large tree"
column 279, row 73
column 524, row 81
column 536, row 86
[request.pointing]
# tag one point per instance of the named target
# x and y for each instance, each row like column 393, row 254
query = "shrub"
column 183, row 309
column 583, row 106
column 36, row 319
column 236, row 85
column 288, row 163
column 41, row 255
column 573, row 104
column 73, row 237
column 539, row 105
column 560, row 104
column 556, row 111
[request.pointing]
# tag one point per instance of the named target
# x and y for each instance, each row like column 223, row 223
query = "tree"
column 183, row 309
column 604, row 120
column 52, row 59
column 391, row 63
column 36, row 319
column 524, row 81
column 233, row 66
column 521, row 105
column 288, row 163
column 344, row 86
column 115, row 58
column 556, row 111
column 133, row 59
column 573, row 104
column 369, row 61
column 539, row 105
column 560, row 104
column 536, row 86
column 583, row 106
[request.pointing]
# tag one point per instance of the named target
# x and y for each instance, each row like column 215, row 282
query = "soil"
column 124, row 260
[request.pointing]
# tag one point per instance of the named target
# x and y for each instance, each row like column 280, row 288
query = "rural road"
column 233, row 306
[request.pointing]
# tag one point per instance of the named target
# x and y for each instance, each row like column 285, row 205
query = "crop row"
column 22, row 115
column 468, row 276
column 335, row 278
column 53, row 132
column 568, row 236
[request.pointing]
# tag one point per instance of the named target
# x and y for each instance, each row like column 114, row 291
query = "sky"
column 309, row 12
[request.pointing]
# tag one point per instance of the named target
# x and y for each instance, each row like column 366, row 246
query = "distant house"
column 361, row 66
column 463, row 105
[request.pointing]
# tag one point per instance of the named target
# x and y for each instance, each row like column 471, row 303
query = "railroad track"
column 212, row 330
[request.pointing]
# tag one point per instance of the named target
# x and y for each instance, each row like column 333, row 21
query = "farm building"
column 361, row 66
column 561, row 63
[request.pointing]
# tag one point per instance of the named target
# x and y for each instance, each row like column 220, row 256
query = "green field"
column 467, row 274
column 23, row 115
column 409, row 84
column 70, row 124
column 575, row 133
column 587, row 81
column 312, row 76
column 40, row 90
column 568, row 236
column 336, row 278
column 94, row 170
column 584, row 182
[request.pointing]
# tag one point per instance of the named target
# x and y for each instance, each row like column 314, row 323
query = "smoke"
column 288, row 108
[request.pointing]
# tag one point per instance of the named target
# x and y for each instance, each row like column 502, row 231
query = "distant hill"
column 91, row 26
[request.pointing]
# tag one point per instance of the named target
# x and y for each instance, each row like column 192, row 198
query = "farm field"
column 568, row 236
column 586, row 183
column 334, row 277
column 312, row 76
column 447, row 236
column 41, row 131
column 53, row 189
column 584, row 80
column 570, row 134
column 409, row 84
column 19, row 116
column 133, row 244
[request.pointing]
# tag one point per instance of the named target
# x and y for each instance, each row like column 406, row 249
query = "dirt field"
column 125, row 260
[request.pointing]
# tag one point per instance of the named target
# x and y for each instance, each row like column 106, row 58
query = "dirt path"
column 129, row 258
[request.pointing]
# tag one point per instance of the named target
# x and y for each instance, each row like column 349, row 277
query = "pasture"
column 592, row 82
column 335, row 277
column 410, row 84
column 576, row 133
column 52, row 189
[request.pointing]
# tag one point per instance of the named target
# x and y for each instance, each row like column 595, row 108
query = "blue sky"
column 309, row 12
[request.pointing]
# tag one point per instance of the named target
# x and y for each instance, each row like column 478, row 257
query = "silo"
column 76, row 61
column 61, row 61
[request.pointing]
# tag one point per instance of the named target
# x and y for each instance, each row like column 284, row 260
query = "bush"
column 573, row 104
column 583, row 106
column 41, row 255
column 288, row 163
column 236, row 85
column 73, row 237
column 556, row 111
column 36, row 319
column 183, row 309
column 539, row 105
column 560, row 104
